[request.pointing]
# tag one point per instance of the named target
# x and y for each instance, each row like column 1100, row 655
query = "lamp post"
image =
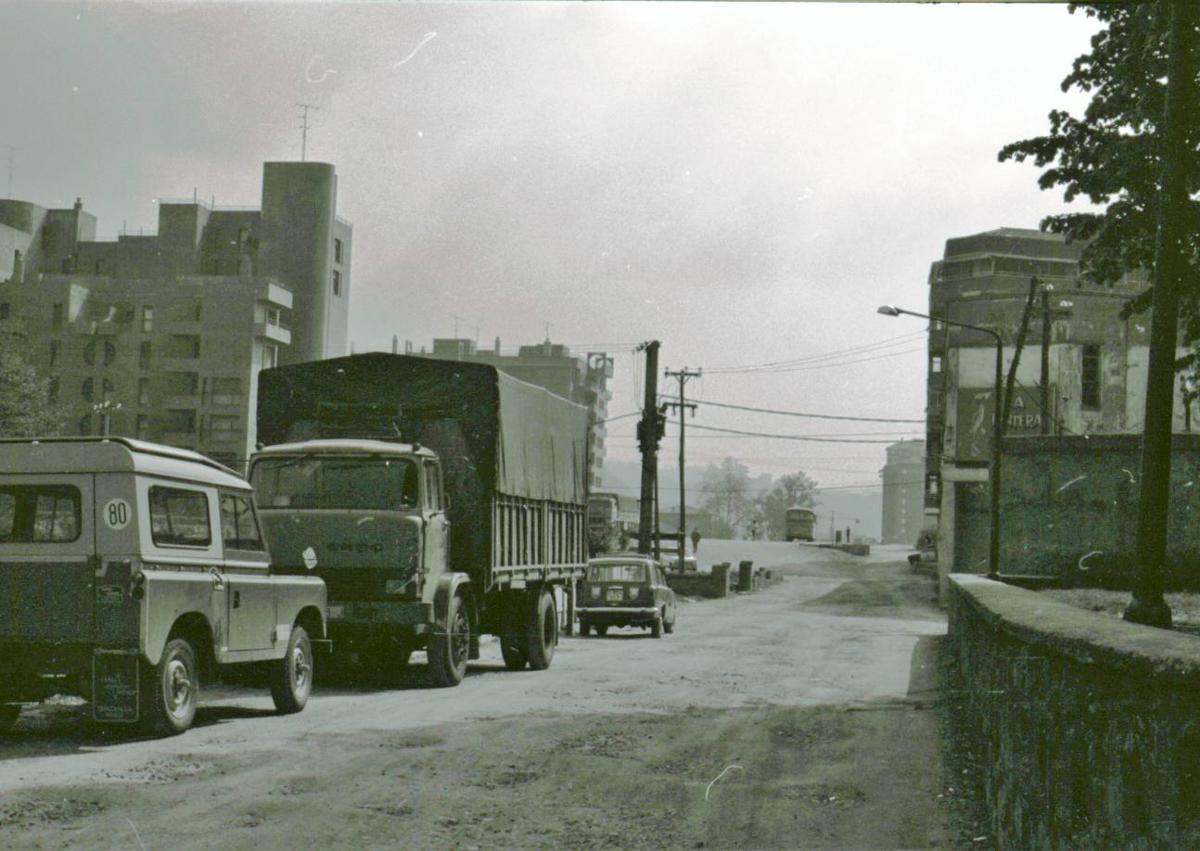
column 997, row 429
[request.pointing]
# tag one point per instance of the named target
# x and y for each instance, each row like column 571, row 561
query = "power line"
column 804, row 437
column 784, row 364
column 813, row 416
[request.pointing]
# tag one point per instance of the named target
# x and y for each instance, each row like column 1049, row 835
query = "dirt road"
column 796, row 717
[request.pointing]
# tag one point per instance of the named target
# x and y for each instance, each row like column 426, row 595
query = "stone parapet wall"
column 1085, row 730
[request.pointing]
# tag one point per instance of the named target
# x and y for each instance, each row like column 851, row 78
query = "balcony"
column 270, row 331
column 275, row 294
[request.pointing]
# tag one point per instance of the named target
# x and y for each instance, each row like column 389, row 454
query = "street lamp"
column 997, row 430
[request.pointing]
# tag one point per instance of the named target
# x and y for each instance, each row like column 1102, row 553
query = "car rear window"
column 39, row 514
column 179, row 518
column 617, row 573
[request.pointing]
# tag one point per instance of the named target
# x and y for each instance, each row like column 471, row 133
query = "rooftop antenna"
column 304, row 128
column 11, row 155
column 456, row 318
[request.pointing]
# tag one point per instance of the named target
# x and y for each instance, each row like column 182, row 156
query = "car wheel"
column 542, row 636
column 172, row 689
column 448, row 650
column 669, row 626
column 291, row 677
column 601, row 630
column 656, row 628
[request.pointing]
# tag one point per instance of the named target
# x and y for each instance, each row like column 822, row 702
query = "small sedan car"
column 629, row 590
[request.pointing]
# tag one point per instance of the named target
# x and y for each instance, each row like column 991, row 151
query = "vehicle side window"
column 239, row 527
column 179, row 518
column 39, row 514
column 433, row 487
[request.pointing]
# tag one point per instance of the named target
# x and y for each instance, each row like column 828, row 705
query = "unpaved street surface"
column 799, row 716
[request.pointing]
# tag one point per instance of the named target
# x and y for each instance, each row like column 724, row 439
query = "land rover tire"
column 8, row 715
column 291, row 677
column 172, row 689
column 449, row 647
column 542, row 636
column 669, row 625
column 656, row 627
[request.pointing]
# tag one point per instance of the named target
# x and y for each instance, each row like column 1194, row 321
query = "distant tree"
column 25, row 406
column 1111, row 155
column 727, row 496
column 789, row 490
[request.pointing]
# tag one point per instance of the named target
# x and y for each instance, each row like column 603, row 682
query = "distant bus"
column 798, row 524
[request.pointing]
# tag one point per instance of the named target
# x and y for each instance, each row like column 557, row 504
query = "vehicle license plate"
column 616, row 594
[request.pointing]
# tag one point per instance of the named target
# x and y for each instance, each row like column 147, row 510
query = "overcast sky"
column 744, row 182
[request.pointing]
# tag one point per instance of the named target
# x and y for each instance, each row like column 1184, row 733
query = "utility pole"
column 1048, row 317
column 304, row 128
column 1170, row 267
column 649, row 434
column 682, row 376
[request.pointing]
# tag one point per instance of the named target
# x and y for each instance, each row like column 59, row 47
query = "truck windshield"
column 617, row 573
column 370, row 483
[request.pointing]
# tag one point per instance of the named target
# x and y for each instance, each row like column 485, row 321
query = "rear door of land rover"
column 47, row 564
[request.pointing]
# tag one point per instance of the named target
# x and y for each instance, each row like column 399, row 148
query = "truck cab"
column 129, row 571
column 369, row 518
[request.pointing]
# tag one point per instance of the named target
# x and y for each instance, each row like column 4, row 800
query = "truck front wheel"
column 543, row 631
column 448, row 649
column 172, row 689
column 292, row 676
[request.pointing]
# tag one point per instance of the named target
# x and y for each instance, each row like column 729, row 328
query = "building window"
column 196, row 347
column 1089, row 396
column 85, row 425
column 143, row 391
column 89, row 353
column 106, row 389
column 55, row 347
column 144, row 356
column 269, row 356
column 4, row 308
column 110, row 352
column 53, row 391
column 88, row 390
column 935, row 363
column 222, row 428
column 337, row 251
column 147, row 319
column 56, row 318
column 226, row 391
column 143, row 426
column 337, row 282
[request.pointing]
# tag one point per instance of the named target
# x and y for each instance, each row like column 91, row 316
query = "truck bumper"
column 379, row 613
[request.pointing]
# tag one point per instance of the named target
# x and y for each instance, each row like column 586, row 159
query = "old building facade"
column 161, row 337
column 903, row 479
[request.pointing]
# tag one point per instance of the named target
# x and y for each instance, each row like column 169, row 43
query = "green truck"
column 438, row 500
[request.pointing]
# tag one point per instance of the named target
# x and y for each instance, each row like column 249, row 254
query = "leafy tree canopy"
column 25, row 406
column 1112, row 154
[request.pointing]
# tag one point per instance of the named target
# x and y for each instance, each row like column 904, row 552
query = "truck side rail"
column 538, row 534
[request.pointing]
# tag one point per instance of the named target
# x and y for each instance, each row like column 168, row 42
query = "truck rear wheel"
column 448, row 649
column 292, row 676
column 543, row 631
column 172, row 689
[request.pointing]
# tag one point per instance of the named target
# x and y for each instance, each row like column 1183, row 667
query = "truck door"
column 251, row 592
column 436, row 523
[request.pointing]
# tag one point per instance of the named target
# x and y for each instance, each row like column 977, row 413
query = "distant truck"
column 130, row 571
column 437, row 499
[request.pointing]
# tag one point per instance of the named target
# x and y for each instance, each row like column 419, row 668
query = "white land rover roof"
column 345, row 446
column 21, row 456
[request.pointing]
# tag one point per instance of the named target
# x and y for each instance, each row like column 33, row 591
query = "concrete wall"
column 711, row 585
column 1084, row 731
column 1068, row 499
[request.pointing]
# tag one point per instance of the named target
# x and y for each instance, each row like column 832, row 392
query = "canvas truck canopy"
column 493, row 432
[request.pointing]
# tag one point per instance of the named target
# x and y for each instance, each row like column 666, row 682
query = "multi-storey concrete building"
column 582, row 379
column 162, row 337
column 1082, row 369
column 903, row 506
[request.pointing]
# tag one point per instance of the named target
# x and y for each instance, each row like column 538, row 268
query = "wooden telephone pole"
column 649, row 434
column 682, row 376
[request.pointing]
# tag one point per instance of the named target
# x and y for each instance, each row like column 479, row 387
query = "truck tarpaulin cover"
column 519, row 439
